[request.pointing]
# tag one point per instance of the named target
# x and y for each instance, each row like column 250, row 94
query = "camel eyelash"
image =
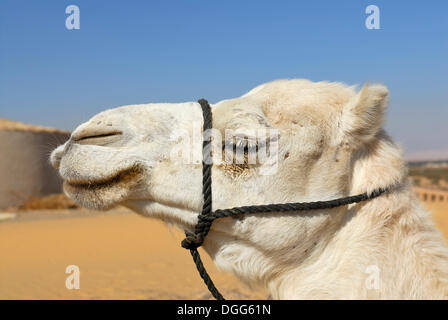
column 248, row 145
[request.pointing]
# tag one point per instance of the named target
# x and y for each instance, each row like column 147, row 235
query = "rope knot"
column 192, row 241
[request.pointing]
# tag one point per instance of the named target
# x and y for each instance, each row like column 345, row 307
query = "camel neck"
column 385, row 249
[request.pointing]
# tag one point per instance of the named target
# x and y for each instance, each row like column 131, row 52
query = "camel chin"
column 103, row 194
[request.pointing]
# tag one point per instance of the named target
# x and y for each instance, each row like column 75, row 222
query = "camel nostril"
column 102, row 135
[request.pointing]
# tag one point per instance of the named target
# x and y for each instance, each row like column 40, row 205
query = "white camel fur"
column 331, row 144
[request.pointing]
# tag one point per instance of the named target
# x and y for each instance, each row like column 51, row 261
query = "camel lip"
column 121, row 176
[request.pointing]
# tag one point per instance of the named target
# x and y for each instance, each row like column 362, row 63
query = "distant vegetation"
column 435, row 171
column 436, row 163
column 50, row 202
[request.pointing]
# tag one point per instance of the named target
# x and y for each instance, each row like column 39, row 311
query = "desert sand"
column 120, row 254
column 439, row 213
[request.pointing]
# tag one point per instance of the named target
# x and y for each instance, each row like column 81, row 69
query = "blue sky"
column 130, row 52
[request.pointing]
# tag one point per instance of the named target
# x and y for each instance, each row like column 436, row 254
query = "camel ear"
column 363, row 115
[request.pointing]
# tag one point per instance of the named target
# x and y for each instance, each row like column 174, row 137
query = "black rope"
column 207, row 216
column 207, row 205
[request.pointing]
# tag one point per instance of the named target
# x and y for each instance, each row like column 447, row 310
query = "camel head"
column 313, row 135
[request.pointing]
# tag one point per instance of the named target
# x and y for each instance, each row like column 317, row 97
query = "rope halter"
column 207, row 216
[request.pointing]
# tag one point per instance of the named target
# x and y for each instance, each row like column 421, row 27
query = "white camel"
column 331, row 144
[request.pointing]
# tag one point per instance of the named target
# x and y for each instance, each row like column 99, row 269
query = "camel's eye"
column 241, row 152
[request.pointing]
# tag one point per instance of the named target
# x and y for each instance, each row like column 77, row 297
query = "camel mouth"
column 125, row 176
